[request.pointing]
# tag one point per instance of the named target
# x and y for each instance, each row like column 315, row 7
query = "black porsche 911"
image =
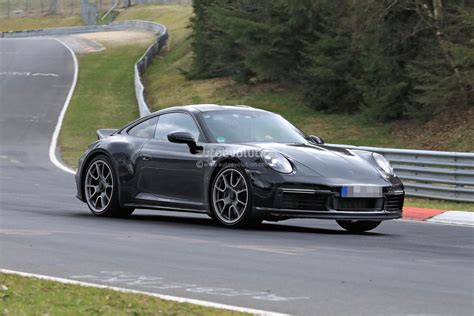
column 237, row 164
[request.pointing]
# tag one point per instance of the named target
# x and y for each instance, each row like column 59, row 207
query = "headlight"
column 383, row 163
column 276, row 161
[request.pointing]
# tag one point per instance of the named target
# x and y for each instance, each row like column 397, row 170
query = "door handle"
column 145, row 156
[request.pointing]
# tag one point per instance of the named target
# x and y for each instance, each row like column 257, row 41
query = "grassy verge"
column 104, row 97
column 439, row 204
column 28, row 296
column 16, row 24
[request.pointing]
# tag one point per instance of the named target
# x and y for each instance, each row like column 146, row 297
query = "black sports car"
column 239, row 165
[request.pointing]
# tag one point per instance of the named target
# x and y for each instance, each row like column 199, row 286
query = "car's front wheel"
column 101, row 189
column 358, row 226
column 231, row 197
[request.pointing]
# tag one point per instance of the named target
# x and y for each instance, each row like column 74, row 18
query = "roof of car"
column 195, row 108
column 207, row 107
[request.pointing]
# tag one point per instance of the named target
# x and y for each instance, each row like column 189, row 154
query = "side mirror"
column 184, row 138
column 316, row 139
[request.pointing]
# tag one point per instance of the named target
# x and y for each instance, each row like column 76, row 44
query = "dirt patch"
column 454, row 128
column 119, row 37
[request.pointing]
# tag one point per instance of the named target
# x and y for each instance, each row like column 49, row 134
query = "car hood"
column 326, row 161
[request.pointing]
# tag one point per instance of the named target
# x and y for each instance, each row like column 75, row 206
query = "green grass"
column 29, row 296
column 16, row 24
column 104, row 97
column 439, row 204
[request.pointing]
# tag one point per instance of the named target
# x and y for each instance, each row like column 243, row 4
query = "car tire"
column 101, row 189
column 231, row 197
column 358, row 226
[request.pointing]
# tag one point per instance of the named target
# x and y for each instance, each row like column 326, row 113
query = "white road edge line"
column 54, row 140
column 429, row 222
column 160, row 296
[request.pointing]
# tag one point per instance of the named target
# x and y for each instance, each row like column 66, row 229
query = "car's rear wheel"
column 231, row 197
column 101, row 189
column 358, row 226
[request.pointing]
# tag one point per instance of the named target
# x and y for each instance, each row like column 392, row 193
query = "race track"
column 299, row 267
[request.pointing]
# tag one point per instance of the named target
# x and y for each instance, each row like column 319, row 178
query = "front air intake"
column 358, row 204
column 304, row 201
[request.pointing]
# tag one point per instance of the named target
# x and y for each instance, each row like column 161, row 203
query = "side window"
column 176, row 122
column 144, row 129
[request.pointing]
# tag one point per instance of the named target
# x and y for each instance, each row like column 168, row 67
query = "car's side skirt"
column 165, row 208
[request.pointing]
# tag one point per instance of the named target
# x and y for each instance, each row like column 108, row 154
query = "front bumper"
column 312, row 199
column 280, row 213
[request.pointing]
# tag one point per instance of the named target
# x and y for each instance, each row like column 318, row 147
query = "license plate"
column 361, row 191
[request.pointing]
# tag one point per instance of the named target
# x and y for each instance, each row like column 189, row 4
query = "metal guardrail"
column 71, row 30
column 431, row 174
column 143, row 64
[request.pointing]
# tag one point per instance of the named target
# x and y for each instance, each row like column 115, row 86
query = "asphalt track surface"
column 301, row 267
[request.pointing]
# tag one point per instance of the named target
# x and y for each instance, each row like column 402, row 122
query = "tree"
column 387, row 59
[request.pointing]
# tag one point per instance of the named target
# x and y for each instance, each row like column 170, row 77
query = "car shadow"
column 269, row 227
column 203, row 221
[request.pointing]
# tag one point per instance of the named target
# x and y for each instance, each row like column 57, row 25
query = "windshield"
column 250, row 126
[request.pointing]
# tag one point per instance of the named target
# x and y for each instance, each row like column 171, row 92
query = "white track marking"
column 54, row 140
column 160, row 296
column 430, row 222
column 27, row 74
column 454, row 217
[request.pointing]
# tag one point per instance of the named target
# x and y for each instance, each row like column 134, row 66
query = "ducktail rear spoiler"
column 105, row 132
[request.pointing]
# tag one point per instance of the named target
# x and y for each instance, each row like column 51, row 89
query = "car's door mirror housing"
column 316, row 139
column 184, row 138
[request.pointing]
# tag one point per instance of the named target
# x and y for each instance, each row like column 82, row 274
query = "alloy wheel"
column 99, row 186
column 230, row 196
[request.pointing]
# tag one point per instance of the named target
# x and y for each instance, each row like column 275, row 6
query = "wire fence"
column 90, row 10
column 40, row 8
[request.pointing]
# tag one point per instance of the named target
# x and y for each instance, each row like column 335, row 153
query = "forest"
column 385, row 59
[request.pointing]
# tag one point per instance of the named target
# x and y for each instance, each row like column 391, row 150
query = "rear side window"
column 176, row 122
column 145, row 129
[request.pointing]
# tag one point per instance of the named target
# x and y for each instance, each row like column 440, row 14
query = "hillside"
column 167, row 85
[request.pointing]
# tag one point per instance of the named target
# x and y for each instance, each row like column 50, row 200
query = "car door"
column 128, row 158
column 171, row 175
